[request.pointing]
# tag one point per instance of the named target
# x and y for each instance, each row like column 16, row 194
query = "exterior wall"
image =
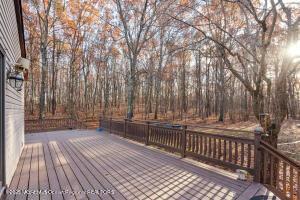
column 14, row 100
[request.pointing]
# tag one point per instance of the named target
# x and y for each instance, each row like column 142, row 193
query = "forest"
column 221, row 60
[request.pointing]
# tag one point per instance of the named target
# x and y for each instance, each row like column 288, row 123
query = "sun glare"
column 294, row 50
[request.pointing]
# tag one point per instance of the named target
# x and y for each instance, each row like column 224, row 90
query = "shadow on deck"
column 92, row 165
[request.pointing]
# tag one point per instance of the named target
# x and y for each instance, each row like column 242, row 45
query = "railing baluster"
column 172, row 139
column 298, row 184
column 230, row 151
column 183, row 141
column 242, row 154
column 209, row 146
column 219, row 148
column 161, row 136
column 156, row 135
column 193, row 142
column 271, row 169
column 179, row 140
column 291, row 183
column 147, row 133
column 236, row 152
column 265, row 164
column 156, row 138
column 197, row 144
column 249, row 156
column 215, row 148
column 168, row 138
column 284, row 178
column 162, row 133
column 173, row 143
column 165, row 134
column 277, row 173
column 201, row 145
column 205, row 145
column 224, row 151
column 175, row 140
column 189, row 142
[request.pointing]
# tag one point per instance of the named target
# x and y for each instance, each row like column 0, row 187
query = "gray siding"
column 14, row 101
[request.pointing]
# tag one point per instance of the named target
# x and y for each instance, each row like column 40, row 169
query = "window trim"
column 2, row 116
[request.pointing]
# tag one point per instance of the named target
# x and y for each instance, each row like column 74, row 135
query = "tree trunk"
column 43, row 80
column 131, row 87
column 222, row 92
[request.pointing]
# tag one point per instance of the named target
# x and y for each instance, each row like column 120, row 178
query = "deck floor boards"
column 15, row 182
column 25, row 174
column 43, row 173
column 79, row 163
column 96, row 178
column 51, row 173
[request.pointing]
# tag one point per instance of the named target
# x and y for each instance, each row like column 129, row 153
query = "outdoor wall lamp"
column 15, row 79
column 18, row 74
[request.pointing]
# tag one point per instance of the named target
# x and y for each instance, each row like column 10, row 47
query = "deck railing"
column 267, row 165
column 168, row 138
column 227, row 151
column 36, row 125
column 135, row 131
column 278, row 172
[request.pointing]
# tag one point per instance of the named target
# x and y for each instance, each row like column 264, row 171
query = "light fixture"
column 18, row 73
column 15, row 79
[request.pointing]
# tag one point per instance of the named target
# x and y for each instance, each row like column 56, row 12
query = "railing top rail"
column 199, row 126
column 189, row 125
column 33, row 120
column 163, row 127
column 277, row 153
column 117, row 121
column 113, row 118
column 141, row 120
column 130, row 122
column 215, row 135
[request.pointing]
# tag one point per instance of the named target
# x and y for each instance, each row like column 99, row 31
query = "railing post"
column 110, row 121
column 147, row 133
column 258, row 131
column 183, row 141
column 125, row 127
column 100, row 122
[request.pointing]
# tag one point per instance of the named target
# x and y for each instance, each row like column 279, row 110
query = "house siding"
column 14, row 100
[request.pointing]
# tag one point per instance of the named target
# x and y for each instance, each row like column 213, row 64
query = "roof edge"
column 19, row 17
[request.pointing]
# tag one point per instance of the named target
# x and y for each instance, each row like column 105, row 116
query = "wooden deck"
column 96, row 165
